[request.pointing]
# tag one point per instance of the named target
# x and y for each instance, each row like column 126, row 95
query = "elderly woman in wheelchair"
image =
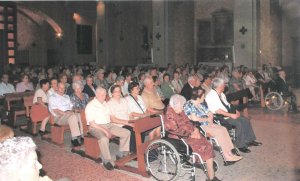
column 202, row 118
column 186, row 147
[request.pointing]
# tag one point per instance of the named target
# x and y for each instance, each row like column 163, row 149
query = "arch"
column 38, row 17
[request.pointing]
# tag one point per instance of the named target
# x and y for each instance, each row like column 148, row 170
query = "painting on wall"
column 204, row 32
column 215, row 37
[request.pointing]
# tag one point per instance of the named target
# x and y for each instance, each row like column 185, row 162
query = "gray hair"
column 216, row 82
column 120, row 78
column 147, row 80
column 100, row 71
column 13, row 155
column 177, row 100
column 191, row 77
column 77, row 84
column 100, row 89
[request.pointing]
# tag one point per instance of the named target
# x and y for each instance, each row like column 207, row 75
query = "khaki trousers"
column 221, row 134
column 103, row 141
column 74, row 121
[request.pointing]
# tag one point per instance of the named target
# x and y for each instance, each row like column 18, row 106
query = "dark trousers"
column 239, row 95
column 132, row 144
column 244, row 131
column 293, row 104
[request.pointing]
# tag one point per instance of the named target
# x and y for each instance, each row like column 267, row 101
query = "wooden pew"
column 91, row 146
column 57, row 131
column 30, row 128
column 16, row 110
column 140, row 126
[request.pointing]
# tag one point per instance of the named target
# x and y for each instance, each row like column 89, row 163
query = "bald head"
column 148, row 83
column 61, row 88
column 192, row 80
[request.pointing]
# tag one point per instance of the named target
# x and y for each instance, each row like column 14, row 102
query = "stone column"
column 245, row 33
column 159, row 9
column 100, row 37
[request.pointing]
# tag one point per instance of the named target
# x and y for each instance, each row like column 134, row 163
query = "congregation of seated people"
column 113, row 97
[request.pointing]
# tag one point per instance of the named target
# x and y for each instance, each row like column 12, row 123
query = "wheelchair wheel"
column 163, row 160
column 274, row 101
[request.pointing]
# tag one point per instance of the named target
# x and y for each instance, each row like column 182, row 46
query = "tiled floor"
column 278, row 158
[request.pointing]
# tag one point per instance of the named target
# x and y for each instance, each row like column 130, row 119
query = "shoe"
column 227, row 163
column 235, row 152
column 78, row 151
column 82, row 140
column 42, row 133
column 75, row 143
column 254, row 143
column 42, row 172
column 213, row 179
column 108, row 166
column 245, row 150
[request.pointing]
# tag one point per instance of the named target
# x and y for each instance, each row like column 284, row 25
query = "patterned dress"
column 78, row 103
column 179, row 123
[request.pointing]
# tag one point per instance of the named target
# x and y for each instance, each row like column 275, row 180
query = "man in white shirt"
column 217, row 104
column 102, row 126
column 5, row 87
column 60, row 107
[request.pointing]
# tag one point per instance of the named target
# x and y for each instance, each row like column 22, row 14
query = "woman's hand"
column 211, row 118
column 236, row 115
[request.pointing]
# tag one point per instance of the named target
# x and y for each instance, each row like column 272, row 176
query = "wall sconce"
column 59, row 35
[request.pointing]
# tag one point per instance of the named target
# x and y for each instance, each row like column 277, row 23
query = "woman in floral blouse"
column 177, row 123
column 78, row 98
column 197, row 111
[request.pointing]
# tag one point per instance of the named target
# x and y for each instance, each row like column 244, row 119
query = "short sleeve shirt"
column 133, row 105
column 40, row 93
column 200, row 110
column 214, row 101
column 119, row 109
column 6, row 88
column 59, row 102
column 98, row 112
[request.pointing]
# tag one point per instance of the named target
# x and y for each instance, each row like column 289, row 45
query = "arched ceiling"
column 37, row 16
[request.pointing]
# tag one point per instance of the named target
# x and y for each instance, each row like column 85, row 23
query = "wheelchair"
column 167, row 158
column 275, row 101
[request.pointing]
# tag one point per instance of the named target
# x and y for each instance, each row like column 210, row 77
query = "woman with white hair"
column 177, row 123
column 78, row 98
column 100, row 80
column 18, row 160
column 217, row 104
